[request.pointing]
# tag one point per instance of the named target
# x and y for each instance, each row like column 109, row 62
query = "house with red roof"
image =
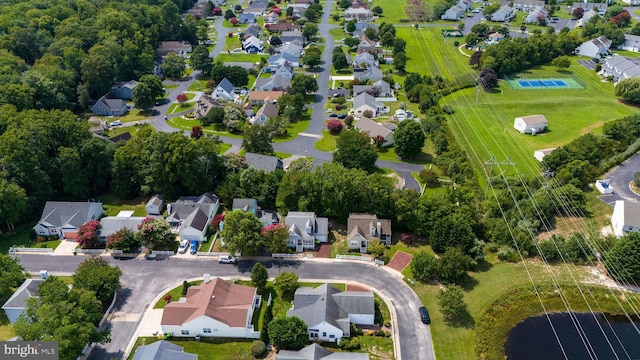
column 214, row 308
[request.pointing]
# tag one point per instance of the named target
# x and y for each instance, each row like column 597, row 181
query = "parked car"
column 116, row 123
column 194, row 247
column 227, row 259
column 424, row 315
column 342, row 116
column 184, row 245
column 333, row 115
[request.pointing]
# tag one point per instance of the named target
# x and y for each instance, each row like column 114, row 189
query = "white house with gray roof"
column 370, row 73
column 224, row 90
column 365, row 101
column 155, row 205
column 190, row 216
column 374, row 129
column 329, row 312
column 379, row 88
column 620, row 68
column 305, row 229
column 17, row 303
column 112, row 224
column 594, row 48
column 162, row 350
column 631, row 43
column 106, row 106
column 504, row 13
column 317, row 352
column 625, row 218
column 64, row 218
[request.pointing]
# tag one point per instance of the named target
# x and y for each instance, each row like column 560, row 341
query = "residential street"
column 621, row 176
column 144, row 279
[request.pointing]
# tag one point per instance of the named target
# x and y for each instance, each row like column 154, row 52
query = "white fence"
column 378, row 262
column 354, row 257
column 90, row 251
column 162, row 252
column 15, row 250
column 213, row 253
column 297, row 255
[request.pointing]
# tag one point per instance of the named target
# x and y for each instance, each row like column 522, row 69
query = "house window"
column 354, row 243
column 324, row 334
column 206, row 330
column 372, row 231
column 184, row 332
column 332, row 336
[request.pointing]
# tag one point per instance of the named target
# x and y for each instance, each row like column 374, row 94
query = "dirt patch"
column 400, row 261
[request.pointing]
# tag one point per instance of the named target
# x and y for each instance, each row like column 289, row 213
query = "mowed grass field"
column 392, row 10
column 486, row 129
column 429, row 54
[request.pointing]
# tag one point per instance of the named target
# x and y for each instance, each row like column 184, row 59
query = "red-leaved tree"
column 88, row 235
column 234, row 21
column 182, row 97
column 334, row 126
column 215, row 222
column 276, row 10
column 216, row 11
column 275, row 237
column 378, row 140
column 196, row 132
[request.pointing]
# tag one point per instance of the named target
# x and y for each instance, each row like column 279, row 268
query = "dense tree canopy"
column 408, row 139
column 289, row 333
column 11, row 276
column 623, row 260
column 355, row 151
column 241, row 233
column 95, row 274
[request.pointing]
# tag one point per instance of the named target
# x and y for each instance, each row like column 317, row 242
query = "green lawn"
column 294, row 129
column 242, row 57
column 231, row 27
column 207, row 348
column 337, row 33
column 486, row 129
column 177, row 107
column 6, row 330
column 429, row 54
column 327, row 143
column 627, row 54
column 232, row 43
column 199, row 85
column 113, row 205
column 392, row 11
column 20, row 238
column 223, row 148
column 211, row 129
column 176, row 294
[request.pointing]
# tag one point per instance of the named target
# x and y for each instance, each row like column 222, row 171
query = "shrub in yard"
column 507, row 254
column 215, row 222
column 448, row 109
column 378, row 140
column 258, row 349
column 167, row 298
column 334, row 126
column 348, row 120
column 381, row 333
column 339, row 107
column 350, row 344
column 88, row 235
column 338, row 100
column 211, row 84
column 367, row 113
column 182, row 98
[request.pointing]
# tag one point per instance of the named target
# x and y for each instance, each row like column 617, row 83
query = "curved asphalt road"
column 621, row 177
column 144, row 279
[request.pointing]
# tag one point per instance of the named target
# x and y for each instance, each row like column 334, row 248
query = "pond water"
column 610, row 337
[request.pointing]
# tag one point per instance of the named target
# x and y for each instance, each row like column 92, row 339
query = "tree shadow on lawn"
column 469, row 283
column 464, row 320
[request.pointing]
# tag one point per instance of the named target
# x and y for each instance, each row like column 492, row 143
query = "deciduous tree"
column 259, row 277
column 11, row 276
column 155, row 234
column 623, row 260
column 173, row 66
column 287, row 283
column 241, row 233
column 256, row 139
column 355, row 151
column 303, row 84
column 275, row 238
column 88, row 235
column 288, row 333
column 451, row 302
column 123, row 239
column 409, row 139
column 95, row 274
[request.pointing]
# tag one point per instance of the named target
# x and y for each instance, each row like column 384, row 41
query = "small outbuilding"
column 540, row 154
column 531, row 124
column 604, row 186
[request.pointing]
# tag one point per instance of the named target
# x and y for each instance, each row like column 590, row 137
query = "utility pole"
column 501, row 173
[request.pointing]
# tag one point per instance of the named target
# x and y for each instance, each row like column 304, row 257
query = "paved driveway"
column 144, row 279
column 621, row 177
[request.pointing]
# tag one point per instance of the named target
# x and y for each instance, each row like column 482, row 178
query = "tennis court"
column 532, row 84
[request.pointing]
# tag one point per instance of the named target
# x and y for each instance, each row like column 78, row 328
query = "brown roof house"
column 214, row 308
column 364, row 228
column 204, row 105
column 267, row 111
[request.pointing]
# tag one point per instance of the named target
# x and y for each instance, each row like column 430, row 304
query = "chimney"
column 379, row 227
column 207, row 278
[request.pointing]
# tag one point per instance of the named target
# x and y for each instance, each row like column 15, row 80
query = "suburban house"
column 364, row 59
column 379, row 88
column 527, row 5
column 293, row 49
column 268, row 110
column 305, row 229
column 374, row 129
column 124, row 90
column 155, row 205
column 214, row 308
column 267, row 217
column 625, row 217
column 251, row 30
column 631, row 2
column 247, row 18
column 495, row 38
column 203, row 105
column 370, row 73
column 254, row 9
column 224, row 90
column 594, row 48
column 265, row 163
column 283, row 26
column 361, row 26
column 600, row 8
column 317, row 352
column 176, row 47
column 364, row 228
column 620, row 68
column 17, row 303
column 271, row 18
column 453, row 13
column 112, row 224
column 535, row 15
column 106, row 106
column 357, row 14
column 285, row 70
column 63, row 218
column 631, row 43
column 504, row 13
column 162, row 350
column 260, row 97
column 586, row 17
column 252, row 45
column 289, row 36
column 365, row 101
column 190, row 216
column 366, row 44
column 604, row 186
column 329, row 312
column 274, row 83
column 283, row 58
column 298, row 10
column 531, row 124
column 540, row 154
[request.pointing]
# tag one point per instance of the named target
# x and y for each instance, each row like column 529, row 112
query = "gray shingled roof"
column 274, row 82
column 266, row 163
column 156, row 200
column 58, row 213
column 226, row 85
column 317, row 352
column 631, row 214
column 297, row 223
column 246, row 205
column 112, row 224
column 362, row 224
column 26, row 291
column 328, row 304
column 162, row 350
